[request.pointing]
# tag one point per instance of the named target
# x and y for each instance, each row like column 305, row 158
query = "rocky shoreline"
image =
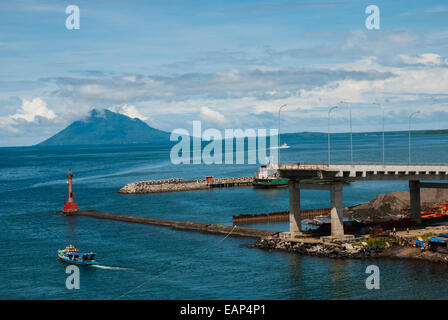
column 349, row 251
column 318, row 249
column 178, row 184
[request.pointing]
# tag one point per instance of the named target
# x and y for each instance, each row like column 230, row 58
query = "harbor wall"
column 178, row 184
column 179, row 225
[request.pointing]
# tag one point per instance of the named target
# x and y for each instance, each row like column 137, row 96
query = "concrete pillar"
column 337, row 226
column 294, row 208
column 414, row 192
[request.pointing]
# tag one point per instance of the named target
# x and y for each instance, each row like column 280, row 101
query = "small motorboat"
column 72, row 255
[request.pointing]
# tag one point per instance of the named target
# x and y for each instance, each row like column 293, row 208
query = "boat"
column 72, row 255
column 435, row 211
column 283, row 146
column 319, row 220
column 268, row 177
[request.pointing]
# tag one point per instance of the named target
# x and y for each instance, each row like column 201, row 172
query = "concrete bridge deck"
column 363, row 172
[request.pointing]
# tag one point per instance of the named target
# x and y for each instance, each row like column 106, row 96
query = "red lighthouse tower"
column 70, row 205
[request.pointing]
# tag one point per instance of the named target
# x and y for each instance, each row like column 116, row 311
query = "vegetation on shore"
column 378, row 242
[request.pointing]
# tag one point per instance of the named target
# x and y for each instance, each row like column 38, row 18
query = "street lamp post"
column 329, row 111
column 351, row 137
column 382, row 120
column 383, row 133
column 410, row 116
column 351, row 133
column 278, row 150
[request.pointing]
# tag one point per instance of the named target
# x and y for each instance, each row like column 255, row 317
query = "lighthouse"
column 70, row 205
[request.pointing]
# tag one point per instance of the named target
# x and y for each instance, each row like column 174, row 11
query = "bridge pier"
column 335, row 175
column 337, row 210
column 294, row 208
column 414, row 192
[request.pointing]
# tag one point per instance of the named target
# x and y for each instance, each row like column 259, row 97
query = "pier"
column 179, row 225
column 178, row 184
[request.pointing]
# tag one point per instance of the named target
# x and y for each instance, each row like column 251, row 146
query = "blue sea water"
column 149, row 262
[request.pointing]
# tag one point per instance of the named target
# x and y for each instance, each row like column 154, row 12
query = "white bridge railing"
column 365, row 170
column 348, row 163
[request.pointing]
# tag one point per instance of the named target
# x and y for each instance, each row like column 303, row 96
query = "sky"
column 230, row 64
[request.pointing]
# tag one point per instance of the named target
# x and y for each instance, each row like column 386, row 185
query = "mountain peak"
column 103, row 126
column 98, row 113
column 104, row 113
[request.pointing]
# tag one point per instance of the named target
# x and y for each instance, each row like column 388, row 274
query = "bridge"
column 336, row 175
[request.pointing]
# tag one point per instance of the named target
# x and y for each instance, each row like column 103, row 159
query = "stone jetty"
column 318, row 248
column 178, row 184
column 179, row 225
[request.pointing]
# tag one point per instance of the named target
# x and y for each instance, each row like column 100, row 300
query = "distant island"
column 445, row 131
column 107, row 127
column 102, row 127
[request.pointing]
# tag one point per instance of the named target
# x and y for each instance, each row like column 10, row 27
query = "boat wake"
column 109, row 267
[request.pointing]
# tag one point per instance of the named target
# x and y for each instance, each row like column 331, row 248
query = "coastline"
column 349, row 250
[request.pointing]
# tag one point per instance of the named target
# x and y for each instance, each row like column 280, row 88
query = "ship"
column 268, row 177
column 72, row 255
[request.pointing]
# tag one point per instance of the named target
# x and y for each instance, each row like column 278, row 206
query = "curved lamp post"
column 279, row 110
column 382, row 110
column 329, row 111
column 410, row 116
column 351, row 132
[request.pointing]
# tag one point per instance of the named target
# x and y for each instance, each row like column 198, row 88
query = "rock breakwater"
column 178, row 225
column 178, row 184
column 400, row 250
column 345, row 250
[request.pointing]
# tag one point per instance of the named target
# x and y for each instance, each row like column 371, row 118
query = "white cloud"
column 229, row 76
column 6, row 123
column 404, row 88
column 251, row 96
column 212, row 115
column 408, row 85
column 29, row 114
column 425, row 59
column 132, row 112
column 30, row 110
column 130, row 78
